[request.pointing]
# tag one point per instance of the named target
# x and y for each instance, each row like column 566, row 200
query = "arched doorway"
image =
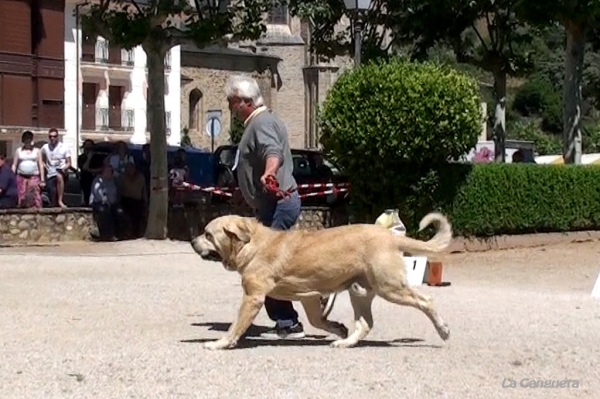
column 195, row 103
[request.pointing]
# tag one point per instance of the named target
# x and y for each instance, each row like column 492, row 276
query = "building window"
column 279, row 15
column 194, row 109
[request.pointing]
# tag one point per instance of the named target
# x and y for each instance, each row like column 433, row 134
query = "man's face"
column 239, row 107
column 2, row 161
column 53, row 137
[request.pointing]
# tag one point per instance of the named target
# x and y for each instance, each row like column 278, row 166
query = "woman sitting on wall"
column 29, row 168
column 8, row 186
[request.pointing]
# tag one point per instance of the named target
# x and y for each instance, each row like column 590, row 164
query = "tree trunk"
column 500, row 116
column 572, row 93
column 159, row 187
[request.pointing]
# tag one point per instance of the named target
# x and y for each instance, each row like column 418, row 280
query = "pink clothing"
column 30, row 193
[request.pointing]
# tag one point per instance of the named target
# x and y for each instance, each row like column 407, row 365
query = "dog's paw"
column 218, row 344
column 343, row 343
column 444, row 331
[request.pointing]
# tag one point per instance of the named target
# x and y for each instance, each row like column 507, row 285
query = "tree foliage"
column 384, row 121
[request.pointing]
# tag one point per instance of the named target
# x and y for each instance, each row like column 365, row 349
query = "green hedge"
column 494, row 199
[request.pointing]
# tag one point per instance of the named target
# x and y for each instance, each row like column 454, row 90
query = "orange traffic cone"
column 434, row 275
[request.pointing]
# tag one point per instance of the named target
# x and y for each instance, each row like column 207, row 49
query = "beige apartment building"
column 292, row 84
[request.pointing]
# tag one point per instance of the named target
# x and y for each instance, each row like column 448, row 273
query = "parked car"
column 207, row 169
column 310, row 167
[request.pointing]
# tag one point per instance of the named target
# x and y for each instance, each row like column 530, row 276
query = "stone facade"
column 204, row 76
column 22, row 226
column 293, row 83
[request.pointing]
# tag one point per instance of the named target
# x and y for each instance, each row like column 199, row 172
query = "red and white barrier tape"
column 226, row 192
column 326, row 192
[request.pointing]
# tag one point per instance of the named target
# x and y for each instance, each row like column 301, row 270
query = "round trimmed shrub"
column 387, row 124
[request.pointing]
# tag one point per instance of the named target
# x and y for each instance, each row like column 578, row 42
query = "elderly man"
column 264, row 151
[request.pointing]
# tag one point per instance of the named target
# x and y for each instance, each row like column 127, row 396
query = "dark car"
column 310, row 167
column 206, row 169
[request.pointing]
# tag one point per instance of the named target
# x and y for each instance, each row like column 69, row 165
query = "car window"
column 227, row 156
column 334, row 171
column 302, row 166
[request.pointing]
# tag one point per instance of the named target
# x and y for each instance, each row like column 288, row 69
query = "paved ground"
column 77, row 323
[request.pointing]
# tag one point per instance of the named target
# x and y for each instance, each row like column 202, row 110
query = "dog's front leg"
column 251, row 305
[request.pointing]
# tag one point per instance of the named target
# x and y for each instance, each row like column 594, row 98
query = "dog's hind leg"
column 363, row 319
column 312, row 308
column 408, row 296
column 390, row 285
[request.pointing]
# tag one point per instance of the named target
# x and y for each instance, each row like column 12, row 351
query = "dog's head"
column 223, row 239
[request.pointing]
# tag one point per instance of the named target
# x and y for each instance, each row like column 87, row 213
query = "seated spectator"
column 9, row 195
column 104, row 200
column 132, row 189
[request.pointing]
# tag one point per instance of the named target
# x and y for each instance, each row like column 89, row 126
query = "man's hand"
column 263, row 179
column 271, row 168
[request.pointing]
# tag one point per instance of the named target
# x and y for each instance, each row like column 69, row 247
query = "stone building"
column 293, row 85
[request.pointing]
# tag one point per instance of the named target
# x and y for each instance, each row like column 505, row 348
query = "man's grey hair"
column 244, row 87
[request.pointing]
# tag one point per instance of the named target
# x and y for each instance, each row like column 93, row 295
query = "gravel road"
column 80, row 321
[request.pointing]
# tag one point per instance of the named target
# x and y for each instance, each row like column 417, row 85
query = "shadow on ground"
column 252, row 339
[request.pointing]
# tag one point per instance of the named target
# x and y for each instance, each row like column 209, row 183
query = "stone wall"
column 22, row 226
column 48, row 225
column 187, row 223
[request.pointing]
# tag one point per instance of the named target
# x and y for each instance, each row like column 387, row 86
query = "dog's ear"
column 238, row 229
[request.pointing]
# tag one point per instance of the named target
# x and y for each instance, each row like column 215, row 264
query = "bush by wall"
column 388, row 122
column 494, row 199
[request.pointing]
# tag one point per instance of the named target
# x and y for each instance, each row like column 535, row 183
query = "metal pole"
column 357, row 39
column 77, row 67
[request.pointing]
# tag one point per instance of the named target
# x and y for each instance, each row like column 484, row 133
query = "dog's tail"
column 440, row 241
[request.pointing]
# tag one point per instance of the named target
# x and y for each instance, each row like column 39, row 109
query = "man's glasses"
column 53, row 136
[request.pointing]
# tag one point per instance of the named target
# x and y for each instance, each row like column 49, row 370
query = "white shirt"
column 28, row 162
column 55, row 158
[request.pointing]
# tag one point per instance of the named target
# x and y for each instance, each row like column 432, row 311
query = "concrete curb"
column 496, row 243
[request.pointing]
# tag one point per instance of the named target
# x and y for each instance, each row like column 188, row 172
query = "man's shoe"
column 294, row 332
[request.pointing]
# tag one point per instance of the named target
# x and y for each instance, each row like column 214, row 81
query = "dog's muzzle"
column 206, row 254
column 211, row 255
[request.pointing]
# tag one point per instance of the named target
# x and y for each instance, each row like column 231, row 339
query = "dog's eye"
column 208, row 235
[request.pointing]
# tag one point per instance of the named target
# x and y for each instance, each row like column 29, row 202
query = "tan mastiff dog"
column 300, row 265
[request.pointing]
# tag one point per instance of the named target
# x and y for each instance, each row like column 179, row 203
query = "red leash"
column 272, row 186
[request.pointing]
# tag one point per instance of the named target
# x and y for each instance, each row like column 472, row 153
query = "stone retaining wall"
column 184, row 224
column 46, row 225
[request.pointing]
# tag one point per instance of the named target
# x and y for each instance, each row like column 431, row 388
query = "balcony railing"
column 168, row 122
column 108, row 119
column 101, row 52
column 168, row 62
column 127, row 57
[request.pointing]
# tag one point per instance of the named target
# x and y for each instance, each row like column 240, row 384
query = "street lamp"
column 358, row 9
